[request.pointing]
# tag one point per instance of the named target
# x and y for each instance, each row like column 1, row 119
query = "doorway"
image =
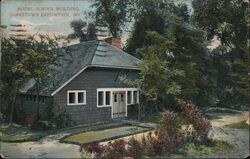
column 119, row 104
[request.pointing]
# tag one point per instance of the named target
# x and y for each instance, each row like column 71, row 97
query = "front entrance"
column 119, row 104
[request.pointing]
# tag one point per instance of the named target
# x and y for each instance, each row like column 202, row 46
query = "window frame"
column 104, row 98
column 131, row 97
column 76, row 97
column 137, row 97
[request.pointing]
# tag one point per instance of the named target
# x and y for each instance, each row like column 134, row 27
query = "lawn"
column 193, row 150
column 18, row 133
column 104, row 134
column 239, row 125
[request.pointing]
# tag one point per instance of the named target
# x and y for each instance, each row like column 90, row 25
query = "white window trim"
column 131, row 100
column 76, row 97
column 104, row 98
column 137, row 96
column 116, row 90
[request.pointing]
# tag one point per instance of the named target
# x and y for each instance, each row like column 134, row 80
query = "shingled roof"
column 76, row 58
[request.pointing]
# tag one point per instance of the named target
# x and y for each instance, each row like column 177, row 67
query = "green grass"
column 239, row 125
column 194, row 150
column 103, row 134
column 18, row 133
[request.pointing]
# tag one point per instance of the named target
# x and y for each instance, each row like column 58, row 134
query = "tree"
column 111, row 14
column 11, row 80
column 82, row 30
column 152, row 15
column 25, row 59
column 37, row 61
column 228, row 21
column 159, row 79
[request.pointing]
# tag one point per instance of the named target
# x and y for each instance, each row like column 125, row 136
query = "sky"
column 46, row 16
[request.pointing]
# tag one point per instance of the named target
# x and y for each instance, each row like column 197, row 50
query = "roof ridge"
column 93, row 55
column 85, row 42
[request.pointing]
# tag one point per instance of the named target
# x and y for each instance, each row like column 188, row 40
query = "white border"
column 111, row 93
column 76, row 97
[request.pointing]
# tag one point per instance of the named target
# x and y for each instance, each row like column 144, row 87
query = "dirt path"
column 237, row 137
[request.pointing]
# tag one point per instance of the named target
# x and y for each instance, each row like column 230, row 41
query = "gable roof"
column 76, row 58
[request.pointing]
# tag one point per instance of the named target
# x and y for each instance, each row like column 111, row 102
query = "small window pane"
column 135, row 97
column 115, row 98
column 30, row 96
column 43, row 99
column 107, row 98
column 129, row 97
column 72, row 98
column 122, row 96
column 80, row 97
column 34, row 98
column 100, row 98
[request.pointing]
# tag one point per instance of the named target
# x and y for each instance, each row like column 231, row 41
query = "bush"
column 113, row 150
column 168, row 136
column 135, row 148
column 63, row 120
column 201, row 125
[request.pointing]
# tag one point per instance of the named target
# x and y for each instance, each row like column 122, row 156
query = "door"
column 119, row 104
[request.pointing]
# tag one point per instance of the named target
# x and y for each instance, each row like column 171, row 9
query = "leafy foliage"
column 111, row 14
column 201, row 125
column 22, row 60
column 113, row 150
column 227, row 20
column 82, row 30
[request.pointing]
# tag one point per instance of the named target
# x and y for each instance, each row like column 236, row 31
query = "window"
column 27, row 97
column 136, row 97
column 34, row 98
column 80, row 97
column 122, row 97
column 115, row 98
column 72, row 97
column 103, row 98
column 100, row 98
column 129, row 97
column 30, row 97
column 43, row 99
column 107, row 94
column 76, row 97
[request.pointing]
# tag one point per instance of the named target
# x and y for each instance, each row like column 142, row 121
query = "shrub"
column 135, row 148
column 201, row 125
column 63, row 120
column 154, row 146
column 90, row 150
column 113, row 150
